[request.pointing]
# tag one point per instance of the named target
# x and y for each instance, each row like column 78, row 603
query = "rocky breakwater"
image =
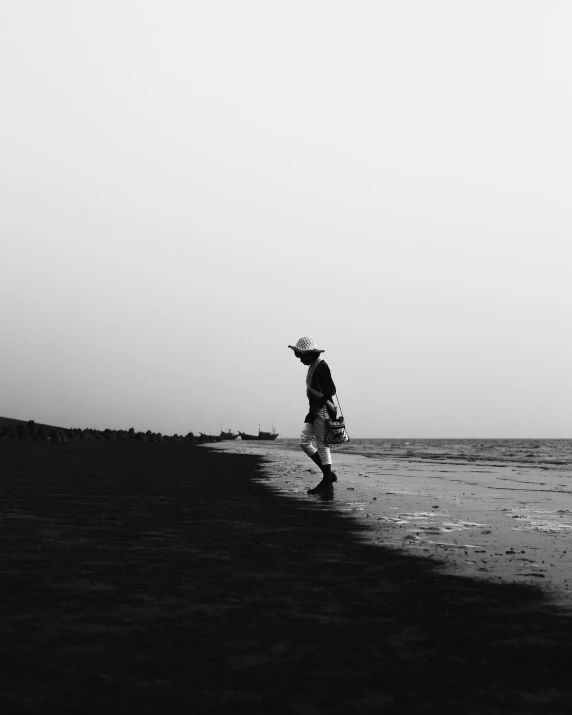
column 22, row 431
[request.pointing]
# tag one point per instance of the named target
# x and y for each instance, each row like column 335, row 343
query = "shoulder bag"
column 337, row 434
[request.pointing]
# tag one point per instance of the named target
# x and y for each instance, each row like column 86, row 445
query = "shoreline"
column 491, row 521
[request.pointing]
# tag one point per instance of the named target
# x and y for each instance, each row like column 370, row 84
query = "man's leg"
column 307, row 444
column 318, row 460
column 307, row 439
column 328, row 477
column 321, row 432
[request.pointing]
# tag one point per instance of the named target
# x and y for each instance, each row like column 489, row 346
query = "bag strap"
column 337, row 399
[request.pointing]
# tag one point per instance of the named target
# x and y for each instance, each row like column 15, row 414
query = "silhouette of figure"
column 320, row 390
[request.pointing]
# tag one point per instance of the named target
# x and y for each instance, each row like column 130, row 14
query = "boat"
column 227, row 436
column 261, row 435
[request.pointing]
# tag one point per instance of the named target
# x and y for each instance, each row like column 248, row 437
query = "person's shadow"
column 323, row 496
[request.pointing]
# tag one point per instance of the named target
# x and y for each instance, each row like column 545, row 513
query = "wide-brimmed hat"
column 306, row 345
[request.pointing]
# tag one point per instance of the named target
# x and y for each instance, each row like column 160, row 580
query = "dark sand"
column 151, row 578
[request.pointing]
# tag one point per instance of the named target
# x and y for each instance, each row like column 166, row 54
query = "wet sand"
column 147, row 578
column 495, row 521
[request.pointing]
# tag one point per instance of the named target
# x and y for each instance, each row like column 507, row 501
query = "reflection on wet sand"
column 496, row 522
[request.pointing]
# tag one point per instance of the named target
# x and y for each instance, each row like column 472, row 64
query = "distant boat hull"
column 262, row 436
column 227, row 436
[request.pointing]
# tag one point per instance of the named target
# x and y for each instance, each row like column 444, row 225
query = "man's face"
column 305, row 358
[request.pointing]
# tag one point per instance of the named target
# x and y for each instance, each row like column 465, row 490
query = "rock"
column 22, row 431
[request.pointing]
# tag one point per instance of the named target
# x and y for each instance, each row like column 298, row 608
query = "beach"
column 146, row 578
column 494, row 517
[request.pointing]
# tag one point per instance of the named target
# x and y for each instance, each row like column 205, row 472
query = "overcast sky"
column 187, row 187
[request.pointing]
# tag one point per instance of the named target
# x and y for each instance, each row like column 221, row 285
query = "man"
column 320, row 390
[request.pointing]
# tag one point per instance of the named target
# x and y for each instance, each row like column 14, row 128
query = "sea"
column 541, row 453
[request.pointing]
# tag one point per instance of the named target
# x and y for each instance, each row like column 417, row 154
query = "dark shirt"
column 322, row 382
